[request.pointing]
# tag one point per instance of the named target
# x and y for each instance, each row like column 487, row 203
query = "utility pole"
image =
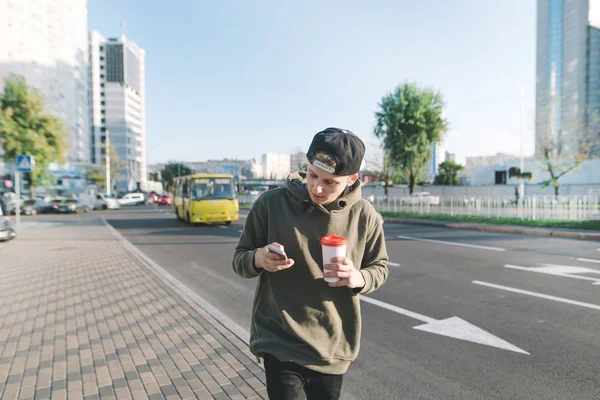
column 107, row 158
column 522, row 181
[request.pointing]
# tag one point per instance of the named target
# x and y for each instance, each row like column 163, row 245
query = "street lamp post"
column 107, row 157
column 521, row 180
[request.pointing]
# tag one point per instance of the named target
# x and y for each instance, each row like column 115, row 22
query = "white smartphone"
column 275, row 250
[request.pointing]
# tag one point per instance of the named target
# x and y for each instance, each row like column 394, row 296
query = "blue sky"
column 240, row 78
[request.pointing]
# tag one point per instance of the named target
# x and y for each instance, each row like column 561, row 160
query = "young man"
column 307, row 330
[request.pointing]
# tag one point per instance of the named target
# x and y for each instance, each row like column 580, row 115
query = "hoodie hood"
column 296, row 187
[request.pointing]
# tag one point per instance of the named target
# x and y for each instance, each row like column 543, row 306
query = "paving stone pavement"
column 82, row 317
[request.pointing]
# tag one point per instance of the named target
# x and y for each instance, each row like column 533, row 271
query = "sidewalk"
column 82, row 317
column 523, row 230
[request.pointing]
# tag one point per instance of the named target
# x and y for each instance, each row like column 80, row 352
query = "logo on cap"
column 324, row 161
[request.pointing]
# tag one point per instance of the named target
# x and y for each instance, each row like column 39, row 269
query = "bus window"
column 212, row 188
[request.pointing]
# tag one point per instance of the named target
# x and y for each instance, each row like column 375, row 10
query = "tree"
column 448, row 173
column 154, row 176
column 26, row 128
column 173, row 170
column 562, row 154
column 97, row 173
column 409, row 120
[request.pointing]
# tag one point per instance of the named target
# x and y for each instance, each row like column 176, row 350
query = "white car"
column 132, row 199
column 106, row 202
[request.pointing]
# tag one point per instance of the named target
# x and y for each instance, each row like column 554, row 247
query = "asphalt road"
column 465, row 315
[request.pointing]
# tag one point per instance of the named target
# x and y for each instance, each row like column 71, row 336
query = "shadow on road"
column 172, row 227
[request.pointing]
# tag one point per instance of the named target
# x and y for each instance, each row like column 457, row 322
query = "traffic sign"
column 25, row 163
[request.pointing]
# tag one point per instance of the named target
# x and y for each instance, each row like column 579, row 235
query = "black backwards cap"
column 337, row 151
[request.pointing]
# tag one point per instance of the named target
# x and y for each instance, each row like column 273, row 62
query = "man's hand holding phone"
column 272, row 258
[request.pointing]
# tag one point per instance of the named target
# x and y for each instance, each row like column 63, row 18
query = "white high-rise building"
column 117, row 81
column 568, row 72
column 46, row 42
column 433, row 167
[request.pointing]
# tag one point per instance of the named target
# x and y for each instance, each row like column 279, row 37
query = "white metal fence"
column 575, row 208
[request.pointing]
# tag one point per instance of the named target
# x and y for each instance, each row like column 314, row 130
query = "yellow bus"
column 205, row 198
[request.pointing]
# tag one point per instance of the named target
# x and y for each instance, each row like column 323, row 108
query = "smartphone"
column 275, row 250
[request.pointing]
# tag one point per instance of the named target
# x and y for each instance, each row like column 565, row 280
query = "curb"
column 497, row 229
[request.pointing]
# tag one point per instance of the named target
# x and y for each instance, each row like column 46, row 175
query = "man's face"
column 324, row 188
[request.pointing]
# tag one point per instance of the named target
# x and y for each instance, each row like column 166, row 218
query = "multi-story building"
column 488, row 161
column 117, row 95
column 568, row 73
column 298, row 162
column 46, row 42
column 433, row 167
column 275, row 166
column 450, row 156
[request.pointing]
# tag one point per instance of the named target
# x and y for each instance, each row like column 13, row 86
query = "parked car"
column 6, row 231
column 424, row 198
column 106, row 202
column 153, row 198
column 132, row 199
column 37, row 206
column 165, row 200
column 70, row 206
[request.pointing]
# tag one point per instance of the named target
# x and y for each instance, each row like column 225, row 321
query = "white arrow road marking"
column 588, row 260
column 565, row 271
column 393, row 264
column 540, row 295
column 473, row 246
column 453, row 327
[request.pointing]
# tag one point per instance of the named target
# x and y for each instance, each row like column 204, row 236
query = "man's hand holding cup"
column 343, row 269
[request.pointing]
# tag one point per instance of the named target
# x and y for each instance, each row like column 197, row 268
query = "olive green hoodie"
column 297, row 317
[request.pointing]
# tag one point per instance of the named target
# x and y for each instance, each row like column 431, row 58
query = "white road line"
column 222, row 227
column 398, row 310
column 540, row 295
column 453, row 327
column 393, row 264
column 558, row 270
column 588, row 260
column 473, row 246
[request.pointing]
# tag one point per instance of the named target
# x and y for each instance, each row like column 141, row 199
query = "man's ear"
column 352, row 179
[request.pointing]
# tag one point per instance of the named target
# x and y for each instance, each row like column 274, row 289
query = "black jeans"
column 289, row 381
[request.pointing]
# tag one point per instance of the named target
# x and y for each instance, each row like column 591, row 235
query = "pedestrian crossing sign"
column 25, row 163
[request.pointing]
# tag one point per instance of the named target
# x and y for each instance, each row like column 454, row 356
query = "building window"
column 102, row 94
column 101, row 111
column 102, row 85
column 103, row 129
column 102, row 103
column 102, row 67
column 101, row 48
column 101, row 58
column 500, row 178
column 101, row 76
column 103, row 121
